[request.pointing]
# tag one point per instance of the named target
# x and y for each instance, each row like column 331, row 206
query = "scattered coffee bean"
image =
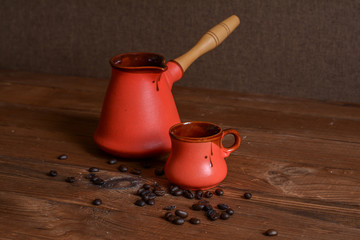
column 208, row 194
column 136, row 171
column 207, row 207
column 97, row 202
column 181, row 213
column 70, row 179
column 271, row 232
column 178, row 192
column 188, row 194
column 98, row 181
column 150, row 202
column 145, row 192
column 159, row 172
column 159, row 191
column 169, row 207
column 199, row 194
column 219, row 192
column 93, row 169
column 197, row 207
column 140, row 203
column 173, row 188
column 178, row 221
column 210, row 212
column 151, row 195
column 123, row 168
column 224, row 215
column 222, row 206
column 230, row 211
column 63, row 157
column 140, row 191
column 247, row 195
column 167, row 215
column 194, row 221
column 90, row 176
column 172, row 218
column 53, row 173
column 146, row 186
column 112, row 161
column 212, row 215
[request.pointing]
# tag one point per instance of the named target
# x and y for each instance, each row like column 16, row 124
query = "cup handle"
column 236, row 144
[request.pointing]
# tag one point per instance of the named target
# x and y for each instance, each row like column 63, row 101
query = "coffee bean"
column 140, row 203
column 222, row 206
column 194, row 221
column 178, row 221
column 97, row 202
column 197, row 207
column 112, row 161
column 172, row 218
column 208, row 194
column 93, row 169
column 181, row 213
column 150, row 202
column 151, row 195
column 145, row 192
column 98, row 181
column 62, row 157
column 212, row 215
column 146, row 186
column 70, row 179
column 136, row 171
column 219, row 192
column 199, row 194
column 230, row 211
column 173, row 188
column 210, row 212
column 90, row 176
column 123, row 168
column 169, row 207
column 224, row 216
column 188, row 194
column 159, row 172
column 53, row 173
column 247, row 195
column 140, row 190
column 178, row 192
column 207, row 207
column 271, row 232
column 159, row 191
column 167, row 215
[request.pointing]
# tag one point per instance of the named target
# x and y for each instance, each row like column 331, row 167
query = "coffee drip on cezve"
column 139, row 108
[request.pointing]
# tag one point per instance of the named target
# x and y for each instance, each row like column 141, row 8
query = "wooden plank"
column 298, row 157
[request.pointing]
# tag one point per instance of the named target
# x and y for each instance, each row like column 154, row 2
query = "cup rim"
column 209, row 138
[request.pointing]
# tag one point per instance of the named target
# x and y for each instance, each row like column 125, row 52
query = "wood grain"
column 299, row 158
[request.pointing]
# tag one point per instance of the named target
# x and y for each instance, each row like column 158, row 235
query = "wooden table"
column 300, row 159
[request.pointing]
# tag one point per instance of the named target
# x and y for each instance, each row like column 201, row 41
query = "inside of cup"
column 195, row 130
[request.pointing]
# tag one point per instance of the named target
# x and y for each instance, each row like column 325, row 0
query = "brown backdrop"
column 294, row 48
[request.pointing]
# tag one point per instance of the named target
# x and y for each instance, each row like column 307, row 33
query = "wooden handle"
column 209, row 41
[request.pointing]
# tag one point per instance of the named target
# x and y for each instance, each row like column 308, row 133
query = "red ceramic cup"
column 197, row 156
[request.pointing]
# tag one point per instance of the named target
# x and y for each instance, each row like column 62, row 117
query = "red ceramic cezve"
column 139, row 107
